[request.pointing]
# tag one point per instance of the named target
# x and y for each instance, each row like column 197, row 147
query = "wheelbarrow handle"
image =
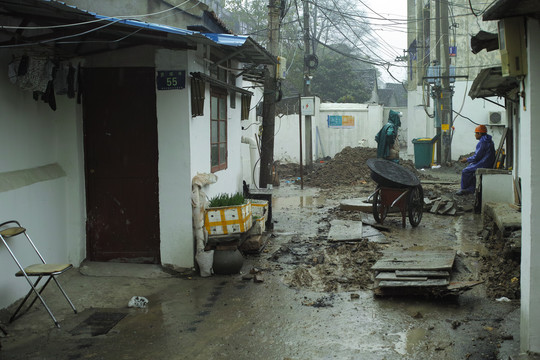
column 370, row 196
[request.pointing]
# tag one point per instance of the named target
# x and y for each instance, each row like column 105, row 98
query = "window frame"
column 219, row 139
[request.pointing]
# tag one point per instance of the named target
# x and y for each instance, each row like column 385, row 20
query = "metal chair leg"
column 32, row 290
column 64, row 293
column 38, row 296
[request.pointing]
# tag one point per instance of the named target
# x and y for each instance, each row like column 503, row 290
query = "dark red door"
column 121, row 163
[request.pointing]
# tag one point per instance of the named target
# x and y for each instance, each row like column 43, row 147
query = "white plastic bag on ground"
column 205, row 259
column 138, row 301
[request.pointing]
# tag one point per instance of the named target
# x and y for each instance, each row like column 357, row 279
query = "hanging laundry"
column 13, row 69
column 38, row 75
column 61, row 79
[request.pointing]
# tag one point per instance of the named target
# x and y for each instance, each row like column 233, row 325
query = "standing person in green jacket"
column 387, row 138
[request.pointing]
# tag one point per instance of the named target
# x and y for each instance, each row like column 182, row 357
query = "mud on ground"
column 334, row 267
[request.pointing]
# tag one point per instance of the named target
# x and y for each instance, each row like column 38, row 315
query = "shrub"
column 227, row 200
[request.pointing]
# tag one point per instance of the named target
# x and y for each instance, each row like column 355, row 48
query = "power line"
column 93, row 21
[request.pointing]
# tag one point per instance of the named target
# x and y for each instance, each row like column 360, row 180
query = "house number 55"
column 171, row 79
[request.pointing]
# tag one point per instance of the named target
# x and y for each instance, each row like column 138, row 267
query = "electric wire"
column 355, row 46
column 106, row 18
column 465, row 117
column 61, row 37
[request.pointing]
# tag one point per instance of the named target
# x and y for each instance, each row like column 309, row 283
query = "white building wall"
column 368, row 120
column 251, row 153
column 530, row 176
column 287, row 139
column 327, row 141
column 420, row 125
column 174, row 129
column 478, row 111
column 46, row 200
column 173, row 112
column 229, row 180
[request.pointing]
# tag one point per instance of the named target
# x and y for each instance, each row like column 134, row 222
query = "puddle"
column 409, row 340
column 401, row 345
column 414, row 337
column 282, row 203
column 466, row 229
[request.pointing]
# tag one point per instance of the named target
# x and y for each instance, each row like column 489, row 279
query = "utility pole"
column 269, row 97
column 420, row 43
column 446, row 91
column 443, row 91
column 307, row 86
column 437, row 81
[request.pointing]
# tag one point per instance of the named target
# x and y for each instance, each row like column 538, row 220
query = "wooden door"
column 121, row 164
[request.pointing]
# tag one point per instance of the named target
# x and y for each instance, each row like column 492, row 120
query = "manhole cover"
column 99, row 323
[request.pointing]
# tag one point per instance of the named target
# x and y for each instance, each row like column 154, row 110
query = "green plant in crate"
column 227, row 200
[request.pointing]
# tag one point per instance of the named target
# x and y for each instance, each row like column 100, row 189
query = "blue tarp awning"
column 79, row 32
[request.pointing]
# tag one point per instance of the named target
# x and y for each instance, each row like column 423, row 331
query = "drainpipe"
column 253, row 156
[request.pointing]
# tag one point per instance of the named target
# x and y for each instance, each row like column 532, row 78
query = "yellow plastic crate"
column 228, row 219
column 259, row 208
column 260, row 214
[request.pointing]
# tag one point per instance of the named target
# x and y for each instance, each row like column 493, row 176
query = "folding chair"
column 12, row 228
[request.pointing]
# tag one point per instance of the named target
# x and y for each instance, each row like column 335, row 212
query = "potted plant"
column 228, row 214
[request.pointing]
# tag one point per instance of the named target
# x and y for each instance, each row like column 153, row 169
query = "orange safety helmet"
column 481, row 129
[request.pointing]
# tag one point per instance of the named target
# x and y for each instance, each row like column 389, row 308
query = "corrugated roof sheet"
column 128, row 31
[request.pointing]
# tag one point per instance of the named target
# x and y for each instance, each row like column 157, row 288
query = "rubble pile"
column 445, row 205
column 346, row 168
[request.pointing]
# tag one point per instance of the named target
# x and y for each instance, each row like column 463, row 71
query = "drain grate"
column 99, row 323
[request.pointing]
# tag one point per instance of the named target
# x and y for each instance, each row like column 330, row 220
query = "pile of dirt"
column 501, row 268
column 346, row 168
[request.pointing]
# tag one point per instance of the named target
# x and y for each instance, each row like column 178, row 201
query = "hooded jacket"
column 484, row 156
column 387, row 135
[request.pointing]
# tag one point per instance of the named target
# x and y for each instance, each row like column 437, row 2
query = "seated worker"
column 386, row 138
column 483, row 157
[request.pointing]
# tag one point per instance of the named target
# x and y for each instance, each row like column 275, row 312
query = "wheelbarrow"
column 398, row 187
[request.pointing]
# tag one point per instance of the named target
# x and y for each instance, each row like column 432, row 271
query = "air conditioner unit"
column 497, row 118
column 512, row 46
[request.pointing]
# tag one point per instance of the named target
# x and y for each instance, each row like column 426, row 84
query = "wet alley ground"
column 309, row 305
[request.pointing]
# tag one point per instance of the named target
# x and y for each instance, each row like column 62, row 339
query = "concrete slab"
column 356, row 204
column 374, row 235
column 343, row 230
column 141, row 271
column 505, row 216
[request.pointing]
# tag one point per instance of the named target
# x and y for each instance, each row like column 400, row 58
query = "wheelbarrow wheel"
column 379, row 210
column 416, row 205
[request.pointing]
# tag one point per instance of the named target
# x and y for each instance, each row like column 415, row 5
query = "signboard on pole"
column 308, row 105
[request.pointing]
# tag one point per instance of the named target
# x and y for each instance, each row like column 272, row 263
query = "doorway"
column 121, row 165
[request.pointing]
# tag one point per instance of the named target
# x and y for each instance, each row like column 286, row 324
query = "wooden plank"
column 498, row 153
column 392, row 276
column 427, row 283
column 433, row 274
column 415, row 260
column 341, row 230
